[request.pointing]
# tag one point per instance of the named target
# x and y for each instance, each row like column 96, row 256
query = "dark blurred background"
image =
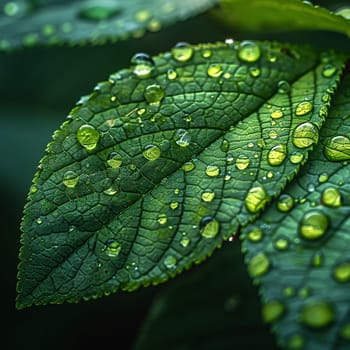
column 39, row 87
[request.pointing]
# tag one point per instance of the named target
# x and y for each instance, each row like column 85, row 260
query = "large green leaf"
column 165, row 160
column 28, row 23
column 299, row 251
column 279, row 15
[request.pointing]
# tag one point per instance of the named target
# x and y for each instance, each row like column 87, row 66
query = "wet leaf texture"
column 164, row 161
column 28, row 23
column 299, row 251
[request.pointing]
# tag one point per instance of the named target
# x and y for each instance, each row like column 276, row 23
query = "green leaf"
column 274, row 15
column 152, row 171
column 28, row 23
column 299, row 250
column 211, row 307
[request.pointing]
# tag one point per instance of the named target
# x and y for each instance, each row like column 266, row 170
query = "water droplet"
column 317, row 259
column 176, row 191
column 296, row 157
column 277, row 155
column 151, row 152
column 329, row 70
column 70, row 179
column 185, row 241
column 256, row 199
column 331, row 197
column 209, row 227
column 258, row 265
column 98, row 10
column 273, row 134
column 313, row 225
column 188, row 166
column 143, row 65
column 88, row 137
column 154, row 25
column 214, row 70
column 345, row 331
column 143, row 15
column 174, row 205
column 317, row 314
column 111, row 191
column 341, row 272
column 112, row 248
column 249, row 51
column 114, row 160
column 285, row 203
column 303, row 108
column 242, row 162
column 281, row 244
column 225, row 146
column 182, row 137
column 212, row 170
column 33, row 189
column 162, row 219
column 171, row 74
column 323, row 178
column 182, row 52
column 254, row 71
column 289, row 291
column 337, row 148
column 17, row 9
column 206, row 54
column 208, row 195
column 283, row 87
column 305, row 135
column 272, row 311
column 277, row 114
column 296, row 342
column 255, row 235
column 170, row 262
column 154, row 94
column 39, row 221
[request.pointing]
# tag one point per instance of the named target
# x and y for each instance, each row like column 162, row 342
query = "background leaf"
column 28, row 23
column 140, row 147
column 274, row 15
column 299, row 250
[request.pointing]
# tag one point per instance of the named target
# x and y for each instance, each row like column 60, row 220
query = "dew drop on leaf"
column 296, row 157
column 174, row 205
column 154, row 94
column 143, row 65
column 209, row 227
column 305, row 135
column 248, row 51
column 258, row 265
column 283, row 87
column 317, row 314
column 273, row 310
column 112, row 248
column 285, row 203
column 242, row 162
column 277, row 155
column 313, row 225
column 182, row 52
column 114, row 160
column 331, row 197
column 329, row 70
column 208, row 195
column 88, row 137
column 341, row 272
column 212, row 170
column 277, row 114
column 188, row 166
column 162, row 219
column 345, row 331
column 17, row 9
column 317, row 259
column 323, row 178
column 215, row 70
column 171, row 74
column 337, row 148
column 254, row 71
column 185, row 241
column 255, row 234
column 70, row 179
column 281, row 244
column 170, row 262
column 206, row 53
column 151, row 152
column 256, row 199
column 182, row 137
column 296, row 342
column 303, row 108
column 99, row 10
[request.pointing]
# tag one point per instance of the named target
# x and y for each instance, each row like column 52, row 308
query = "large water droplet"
column 277, row 114
column 317, row 315
column 329, row 70
column 313, row 225
column 305, row 135
column 277, row 155
column 273, row 310
column 182, row 137
column 151, row 152
column 114, row 160
column 88, row 137
column 208, row 195
column 99, row 10
column 249, row 51
column 331, row 197
column 303, row 108
column 170, row 262
column 188, row 166
column 70, row 179
column 182, row 52
column 212, row 170
column 255, row 235
column 296, row 157
column 143, row 65
column 242, row 162
column 341, row 272
column 154, row 94
column 256, row 199
column 285, row 203
column 215, row 70
column 209, row 227
column 337, row 148
column 258, row 265
column 281, row 244
column 112, row 248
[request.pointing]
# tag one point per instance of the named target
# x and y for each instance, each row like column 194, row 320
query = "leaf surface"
column 274, row 15
column 299, row 251
column 152, row 171
column 28, row 23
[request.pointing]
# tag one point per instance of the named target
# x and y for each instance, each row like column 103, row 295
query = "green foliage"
column 176, row 154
